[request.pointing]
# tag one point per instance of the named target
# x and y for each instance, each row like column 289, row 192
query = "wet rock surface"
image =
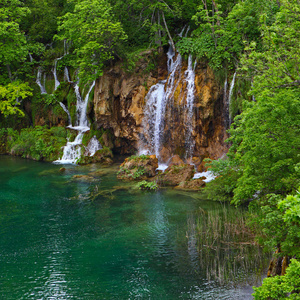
column 138, row 167
column 174, row 175
column 193, row 184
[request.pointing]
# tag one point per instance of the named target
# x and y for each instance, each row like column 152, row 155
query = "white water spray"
column 72, row 151
column 190, row 96
column 54, row 71
column 156, row 101
column 230, row 95
column 93, row 146
column 38, row 81
column 67, row 112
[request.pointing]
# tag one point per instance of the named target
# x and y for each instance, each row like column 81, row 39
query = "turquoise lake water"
column 72, row 238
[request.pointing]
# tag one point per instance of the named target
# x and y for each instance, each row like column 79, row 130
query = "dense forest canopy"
column 257, row 38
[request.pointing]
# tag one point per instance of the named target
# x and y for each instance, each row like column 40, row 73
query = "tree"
column 266, row 136
column 13, row 46
column 11, row 96
column 281, row 287
column 95, row 36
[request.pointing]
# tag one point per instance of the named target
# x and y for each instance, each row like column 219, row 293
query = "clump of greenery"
column 147, row 185
column 139, row 172
column 281, row 287
column 38, row 143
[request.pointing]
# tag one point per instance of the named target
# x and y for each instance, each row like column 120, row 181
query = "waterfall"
column 156, row 102
column 190, row 80
column 226, row 105
column 38, row 81
column 66, row 75
column 93, row 146
column 153, row 115
column 230, row 95
column 54, row 71
column 72, row 151
column 67, row 112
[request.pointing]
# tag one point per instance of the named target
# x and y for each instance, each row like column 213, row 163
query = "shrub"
column 147, row 185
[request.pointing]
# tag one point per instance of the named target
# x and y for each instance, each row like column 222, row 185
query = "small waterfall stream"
column 54, row 71
column 38, row 81
column 190, row 95
column 72, row 150
column 156, row 102
column 230, row 95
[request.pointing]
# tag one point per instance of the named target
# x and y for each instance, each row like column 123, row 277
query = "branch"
column 171, row 40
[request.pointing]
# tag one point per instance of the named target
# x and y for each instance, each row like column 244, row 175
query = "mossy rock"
column 103, row 156
column 138, row 167
column 174, row 175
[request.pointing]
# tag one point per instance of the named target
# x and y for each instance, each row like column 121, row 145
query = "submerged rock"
column 83, row 178
column 98, row 173
column 138, row 167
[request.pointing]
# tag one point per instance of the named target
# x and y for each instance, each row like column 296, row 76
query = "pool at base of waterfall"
column 79, row 233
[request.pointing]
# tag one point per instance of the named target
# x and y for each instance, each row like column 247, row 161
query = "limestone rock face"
column 208, row 122
column 119, row 101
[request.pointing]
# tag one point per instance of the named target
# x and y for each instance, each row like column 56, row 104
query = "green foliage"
column 222, row 35
column 265, row 137
column 38, row 143
column 280, row 221
column 138, row 157
column 147, row 185
column 12, row 41
column 221, row 188
column 11, row 96
column 95, row 36
column 281, row 287
column 140, row 171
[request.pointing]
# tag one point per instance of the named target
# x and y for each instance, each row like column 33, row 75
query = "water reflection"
column 225, row 246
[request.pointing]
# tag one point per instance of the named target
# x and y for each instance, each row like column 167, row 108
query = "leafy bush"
column 147, row 185
column 139, row 172
column 38, row 143
column 281, row 287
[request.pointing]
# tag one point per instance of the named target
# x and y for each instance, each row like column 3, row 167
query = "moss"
column 138, row 157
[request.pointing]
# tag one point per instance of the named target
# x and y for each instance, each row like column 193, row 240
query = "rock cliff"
column 119, row 102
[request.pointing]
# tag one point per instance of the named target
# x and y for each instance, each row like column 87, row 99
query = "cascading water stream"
column 66, row 75
column 230, row 95
column 38, row 81
column 156, row 101
column 54, row 71
column 190, row 96
column 72, row 151
column 67, row 112
column 226, row 104
column 93, row 146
